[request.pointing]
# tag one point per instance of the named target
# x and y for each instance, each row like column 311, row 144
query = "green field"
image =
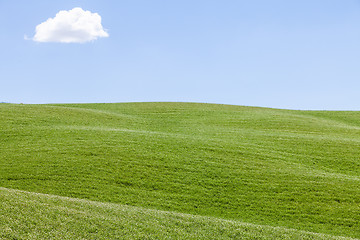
column 178, row 170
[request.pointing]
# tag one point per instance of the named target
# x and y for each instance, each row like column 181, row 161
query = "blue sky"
column 283, row 54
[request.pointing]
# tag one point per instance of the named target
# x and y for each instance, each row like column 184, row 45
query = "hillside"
column 27, row 215
column 225, row 165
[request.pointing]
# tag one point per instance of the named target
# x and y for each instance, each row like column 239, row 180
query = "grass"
column 268, row 167
column 28, row 215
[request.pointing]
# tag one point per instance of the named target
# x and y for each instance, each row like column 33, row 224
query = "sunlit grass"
column 282, row 168
column 27, row 215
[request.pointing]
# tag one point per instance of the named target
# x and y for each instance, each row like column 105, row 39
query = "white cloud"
column 73, row 26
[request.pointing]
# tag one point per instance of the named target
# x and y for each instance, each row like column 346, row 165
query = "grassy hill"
column 225, row 167
column 29, row 215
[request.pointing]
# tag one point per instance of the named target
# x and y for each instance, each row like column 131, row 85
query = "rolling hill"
column 178, row 170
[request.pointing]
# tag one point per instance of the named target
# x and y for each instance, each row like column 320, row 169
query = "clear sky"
column 302, row 54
